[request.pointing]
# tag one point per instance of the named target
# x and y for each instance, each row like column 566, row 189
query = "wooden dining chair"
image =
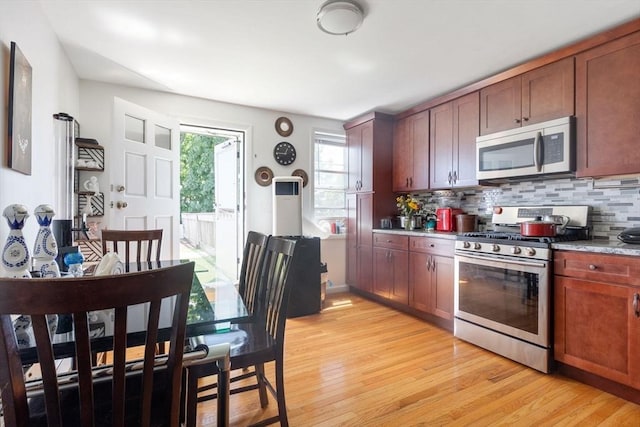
column 264, row 338
column 144, row 392
column 126, row 242
column 253, row 254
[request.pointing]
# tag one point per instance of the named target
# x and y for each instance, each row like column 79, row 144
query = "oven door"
column 505, row 294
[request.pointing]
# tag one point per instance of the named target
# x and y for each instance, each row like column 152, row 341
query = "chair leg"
column 282, row 407
column 224, row 384
column 262, row 388
column 191, row 392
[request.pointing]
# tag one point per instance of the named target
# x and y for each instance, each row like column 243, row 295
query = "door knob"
column 121, row 205
column 120, row 188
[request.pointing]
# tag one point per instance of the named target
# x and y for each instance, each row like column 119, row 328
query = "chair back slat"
column 133, row 240
column 250, row 271
column 83, row 362
column 47, row 367
column 119, row 358
column 275, row 288
column 79, row 296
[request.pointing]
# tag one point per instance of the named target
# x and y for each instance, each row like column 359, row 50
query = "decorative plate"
column 284, row 127
column 302, row 174
column 263, row 176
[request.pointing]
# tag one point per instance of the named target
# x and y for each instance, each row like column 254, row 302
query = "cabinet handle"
column 526, row 119
column 636, row 304
column 455, row 176
column 410, row 181
column 449, row 178
column 517, row 120
column 406, row 182
column 593, row 267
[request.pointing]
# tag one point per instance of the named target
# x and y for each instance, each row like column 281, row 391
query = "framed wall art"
column 19, row 123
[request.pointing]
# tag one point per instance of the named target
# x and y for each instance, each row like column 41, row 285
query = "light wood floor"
column 361, row 364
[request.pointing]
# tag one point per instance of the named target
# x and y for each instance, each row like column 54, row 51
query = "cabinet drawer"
column 432, row 245
column 619, row 269
column 391, row 241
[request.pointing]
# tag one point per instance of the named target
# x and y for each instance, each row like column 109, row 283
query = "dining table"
column 210, row 311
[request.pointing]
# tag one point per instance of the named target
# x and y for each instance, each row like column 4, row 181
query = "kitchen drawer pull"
column 593, row 267
column 636, row 304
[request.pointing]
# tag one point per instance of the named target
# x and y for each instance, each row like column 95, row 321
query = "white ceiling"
column 270, row 54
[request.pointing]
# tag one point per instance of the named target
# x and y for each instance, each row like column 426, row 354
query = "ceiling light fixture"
column 340, row 17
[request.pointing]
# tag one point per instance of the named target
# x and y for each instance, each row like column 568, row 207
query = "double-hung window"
column 330, row 176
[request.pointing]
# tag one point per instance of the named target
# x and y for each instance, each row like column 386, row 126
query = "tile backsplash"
column 615, row 203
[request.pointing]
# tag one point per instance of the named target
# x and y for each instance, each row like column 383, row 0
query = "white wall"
column 55, row 88
column 96, row 100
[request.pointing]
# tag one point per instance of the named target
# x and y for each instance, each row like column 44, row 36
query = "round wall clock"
column 284, row 153
column 284, row 127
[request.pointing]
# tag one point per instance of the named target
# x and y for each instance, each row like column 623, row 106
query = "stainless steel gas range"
column 503, row 283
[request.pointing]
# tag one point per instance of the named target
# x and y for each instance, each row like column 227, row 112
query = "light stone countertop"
column 599, row 246
column 595, row 246
column 417, row 233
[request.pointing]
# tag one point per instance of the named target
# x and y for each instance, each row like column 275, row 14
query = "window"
column 330, row 176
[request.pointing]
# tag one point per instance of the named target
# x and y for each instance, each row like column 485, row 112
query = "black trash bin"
column 305, row 297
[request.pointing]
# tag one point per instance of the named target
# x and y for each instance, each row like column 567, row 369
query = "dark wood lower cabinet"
column 390, row 274
column 597, row 315
column 414, row 274
column 431, row 283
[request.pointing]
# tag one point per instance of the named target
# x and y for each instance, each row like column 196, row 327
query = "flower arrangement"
column 407, row 205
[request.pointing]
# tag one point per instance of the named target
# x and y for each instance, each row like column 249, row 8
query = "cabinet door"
column 365, row 268
column 607, row 106
column 352, row 240
column 366, row 157
column 596, row 329
column 441, row 149
column 354, row 150
column 442, row 286
column 420, row 156
column 466, row 119
column 548, row 92
column 402, row 154
column 399, row 290
column 382, row 272
column 364, row 221
column 420, row 281
column 500, row 106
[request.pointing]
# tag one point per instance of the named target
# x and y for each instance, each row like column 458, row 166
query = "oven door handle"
column 509, row 261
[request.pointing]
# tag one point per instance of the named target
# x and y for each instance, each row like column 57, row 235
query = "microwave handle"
column 537, row 151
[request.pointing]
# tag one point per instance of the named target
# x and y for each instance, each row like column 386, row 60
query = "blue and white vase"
column 45, row 249
column 15, row 255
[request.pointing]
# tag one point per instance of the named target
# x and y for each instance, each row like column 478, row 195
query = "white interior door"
column 226, row 165
column 145, row 173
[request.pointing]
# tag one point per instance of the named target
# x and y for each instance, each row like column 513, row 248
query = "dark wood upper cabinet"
column 539, row 95
column 411, row 153
column 452, row 152
column 608, row 108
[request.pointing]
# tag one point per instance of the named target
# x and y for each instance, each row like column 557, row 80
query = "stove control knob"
column 477, row 246
column 516, row 250
column 495, row 248
column 466, row 245
column 530, row 251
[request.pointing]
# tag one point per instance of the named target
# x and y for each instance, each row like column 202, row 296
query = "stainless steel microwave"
column 529, row 151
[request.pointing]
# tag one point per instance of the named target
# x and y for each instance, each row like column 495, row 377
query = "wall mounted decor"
column 19, row 123
column 302, row 174
column 284, row 127
column 263, row 176
column 284, row 153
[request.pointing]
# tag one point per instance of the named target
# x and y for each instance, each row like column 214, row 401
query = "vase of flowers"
column 408, row 207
